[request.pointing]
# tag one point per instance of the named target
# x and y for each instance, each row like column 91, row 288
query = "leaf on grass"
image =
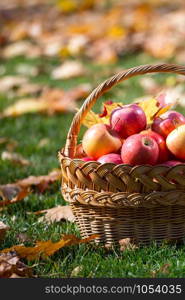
column 164, row 269
column 10, row 82
column 69, row 69
column 3, row 229
column 56, row 214
column 127, row 244
column 41, row 182
column 15, row 158
column 10, row 144
column 51, row 101
column 43, row 249
column 93, row 118
column 11, row 193
column 12, row 267
column 75, row 272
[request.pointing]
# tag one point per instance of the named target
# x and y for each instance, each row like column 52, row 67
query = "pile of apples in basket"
column 141, row 133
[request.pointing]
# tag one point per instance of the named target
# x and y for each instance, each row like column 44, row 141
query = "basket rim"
column 62, row 156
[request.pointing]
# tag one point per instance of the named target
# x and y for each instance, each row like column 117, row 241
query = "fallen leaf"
column 43, row 142
column 69, row 69
column 10, row 144
column 92, row 118
column 56, row 214
column 41, row 182
column 20, row 48
column 23, row 237
column 11, row 193
column 42, row 249
column 127, row 244
column 164, row 269
column 51, row 101
column 3, row 229
column 150, row 107
column 12, row 267
column 10, row 82
column 75, row 272
column 15, row 158
column 14, row 192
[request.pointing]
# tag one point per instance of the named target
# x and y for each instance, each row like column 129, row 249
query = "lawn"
column 28, row 131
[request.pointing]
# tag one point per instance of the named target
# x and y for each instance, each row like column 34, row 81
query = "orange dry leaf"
column 42, row 249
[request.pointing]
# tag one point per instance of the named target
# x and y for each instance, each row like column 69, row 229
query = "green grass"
column 28, row 130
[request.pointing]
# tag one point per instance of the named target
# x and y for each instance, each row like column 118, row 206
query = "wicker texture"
column 118, row 201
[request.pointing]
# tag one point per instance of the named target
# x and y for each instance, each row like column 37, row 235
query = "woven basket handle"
column 71, row 141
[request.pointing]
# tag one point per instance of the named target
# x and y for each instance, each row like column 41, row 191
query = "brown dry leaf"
column 41, row 182
column 21, row 48
column 127, row 244
column 56, row 214
column 164, row 269
column 23, row 237
column 15, row 158
column 3, row 229
column 11, row 193
column 51, row 101
column 42, row 249
column 12, row 267
column 10, row 144
column 10, row 82
column 69, row 69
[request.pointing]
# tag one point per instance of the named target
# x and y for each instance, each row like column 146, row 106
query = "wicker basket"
column 145, row 202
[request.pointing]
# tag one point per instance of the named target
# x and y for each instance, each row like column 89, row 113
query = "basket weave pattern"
column 118, row 201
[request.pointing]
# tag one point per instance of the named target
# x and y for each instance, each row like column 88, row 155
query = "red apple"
column 87, row 158
column 100, row 139
column 110, row 158
column 172, row 163
column 176, row 142
column 167, row 122
column 163, row 150
column 128, row 120
column 138, row 150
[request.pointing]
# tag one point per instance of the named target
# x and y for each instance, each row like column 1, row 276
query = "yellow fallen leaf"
column 93, row 118
column 150, row 107
column 42, row 249
column 162, row 110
